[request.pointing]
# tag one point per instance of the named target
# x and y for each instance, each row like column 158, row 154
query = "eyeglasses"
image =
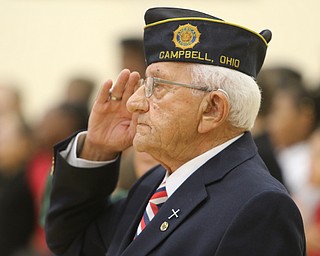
column 151, row 82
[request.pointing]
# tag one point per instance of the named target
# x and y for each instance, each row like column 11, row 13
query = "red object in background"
column 38, row 171
column 317, row 215
column 317, row 223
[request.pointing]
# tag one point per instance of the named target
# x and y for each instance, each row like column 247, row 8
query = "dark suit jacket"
column 230, row 206
column 17, row 213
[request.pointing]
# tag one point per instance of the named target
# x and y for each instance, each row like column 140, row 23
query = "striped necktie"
column 154, row 204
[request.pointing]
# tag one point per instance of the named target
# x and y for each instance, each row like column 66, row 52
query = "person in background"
column 291, row 120
column 143, row 162
column 79, row 91
column 133, row 164
column 58, row 123
column 308, row 199
column 311, row 211
column 269, row 80
column 17, row 220
column 64, row 120
column 212, row 193
column 132, row 54
column 10, row 99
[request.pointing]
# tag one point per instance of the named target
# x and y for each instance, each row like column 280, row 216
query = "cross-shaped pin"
column 174, row 214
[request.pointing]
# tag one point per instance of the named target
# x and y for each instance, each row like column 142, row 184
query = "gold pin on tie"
column 164, row 226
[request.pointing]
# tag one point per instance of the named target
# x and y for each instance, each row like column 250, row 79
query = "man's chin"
column 139, row 143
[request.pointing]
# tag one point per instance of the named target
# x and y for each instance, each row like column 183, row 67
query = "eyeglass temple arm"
column 206, row 89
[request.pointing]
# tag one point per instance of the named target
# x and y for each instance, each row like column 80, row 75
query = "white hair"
column 243, row 91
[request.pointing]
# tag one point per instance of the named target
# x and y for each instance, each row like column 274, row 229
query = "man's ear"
column 215, row 111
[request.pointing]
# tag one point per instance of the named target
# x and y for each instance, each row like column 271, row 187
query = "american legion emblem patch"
column 186, row 36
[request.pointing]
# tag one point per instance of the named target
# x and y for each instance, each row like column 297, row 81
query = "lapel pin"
column 164, row 226
column 174, row 213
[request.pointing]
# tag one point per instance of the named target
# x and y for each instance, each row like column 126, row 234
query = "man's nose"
column 138, row 102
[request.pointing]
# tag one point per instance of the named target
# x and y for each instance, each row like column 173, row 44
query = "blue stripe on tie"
column 146, row 218
column 161, row 189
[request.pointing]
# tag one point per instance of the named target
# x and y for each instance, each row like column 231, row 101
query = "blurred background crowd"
column 287, row 133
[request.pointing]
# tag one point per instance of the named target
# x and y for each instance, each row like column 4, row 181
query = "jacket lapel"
column 185, row 199
column 219, row 166
column 136, row 207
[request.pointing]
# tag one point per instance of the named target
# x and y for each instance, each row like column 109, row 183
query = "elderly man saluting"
column 212, row 193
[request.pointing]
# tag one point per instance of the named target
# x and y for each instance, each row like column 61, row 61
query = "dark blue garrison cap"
column 182, row 35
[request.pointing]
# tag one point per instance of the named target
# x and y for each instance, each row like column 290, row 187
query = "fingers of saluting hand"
column 119, row 86
column 131, row 83
column 122, row 89
column 104, row 94
column 124, row 86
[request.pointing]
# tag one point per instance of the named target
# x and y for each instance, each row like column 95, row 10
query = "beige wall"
column 43, row 42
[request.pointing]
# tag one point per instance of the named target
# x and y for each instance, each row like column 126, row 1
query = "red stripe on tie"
column 142, row 223
column 154, row 208
column 155, row 202
column 159, row 194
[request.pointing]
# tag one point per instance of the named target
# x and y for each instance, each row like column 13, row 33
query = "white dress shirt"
column 173, row 181
column 294, row 162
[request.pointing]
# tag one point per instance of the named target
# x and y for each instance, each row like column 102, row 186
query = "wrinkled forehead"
column 169, row 70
